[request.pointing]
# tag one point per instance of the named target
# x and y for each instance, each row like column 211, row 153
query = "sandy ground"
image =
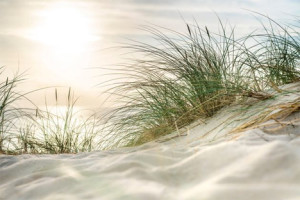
column 229, row 157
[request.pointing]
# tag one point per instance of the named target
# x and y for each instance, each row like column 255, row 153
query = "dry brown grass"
column 277, row 113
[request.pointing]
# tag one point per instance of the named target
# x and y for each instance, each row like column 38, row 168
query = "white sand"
column 209, row 163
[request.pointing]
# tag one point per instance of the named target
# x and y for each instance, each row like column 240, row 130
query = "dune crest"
column 239, row 153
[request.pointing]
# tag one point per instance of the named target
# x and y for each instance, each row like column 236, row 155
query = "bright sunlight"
column 66, row 32
column 65, row 29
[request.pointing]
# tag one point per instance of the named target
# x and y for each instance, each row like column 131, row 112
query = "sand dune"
column 213, row 161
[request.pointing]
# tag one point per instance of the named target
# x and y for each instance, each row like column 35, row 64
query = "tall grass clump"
column 276, row 54
column 186, row 76
column 60, row 129
column 10, row 113
column 53, row 129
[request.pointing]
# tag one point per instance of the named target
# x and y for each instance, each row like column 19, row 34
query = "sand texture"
column 239, row 154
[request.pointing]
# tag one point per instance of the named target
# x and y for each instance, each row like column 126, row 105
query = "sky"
column 67, row 43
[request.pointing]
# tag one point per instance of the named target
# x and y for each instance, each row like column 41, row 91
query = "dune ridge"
column 210, row 161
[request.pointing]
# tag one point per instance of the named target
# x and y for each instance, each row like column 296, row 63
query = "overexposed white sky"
column 59, row 42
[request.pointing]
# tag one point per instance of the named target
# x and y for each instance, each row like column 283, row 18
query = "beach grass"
column 188, row 76
column 10, row 113
column 177, row 79
column 48, row 129
column 60, row 129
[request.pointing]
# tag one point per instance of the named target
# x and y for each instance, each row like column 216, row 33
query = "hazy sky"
column 59, row 41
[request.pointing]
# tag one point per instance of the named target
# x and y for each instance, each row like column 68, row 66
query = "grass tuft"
column 192, row 75
column 10, row 113
column 59, row 130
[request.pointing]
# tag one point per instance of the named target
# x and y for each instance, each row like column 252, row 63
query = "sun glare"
column 67, row 36
column 65, row 29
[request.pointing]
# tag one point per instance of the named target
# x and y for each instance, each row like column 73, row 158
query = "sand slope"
column 212, row 162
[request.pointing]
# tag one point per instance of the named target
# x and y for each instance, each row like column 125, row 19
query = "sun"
column 64, row 28
column 66, row 37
